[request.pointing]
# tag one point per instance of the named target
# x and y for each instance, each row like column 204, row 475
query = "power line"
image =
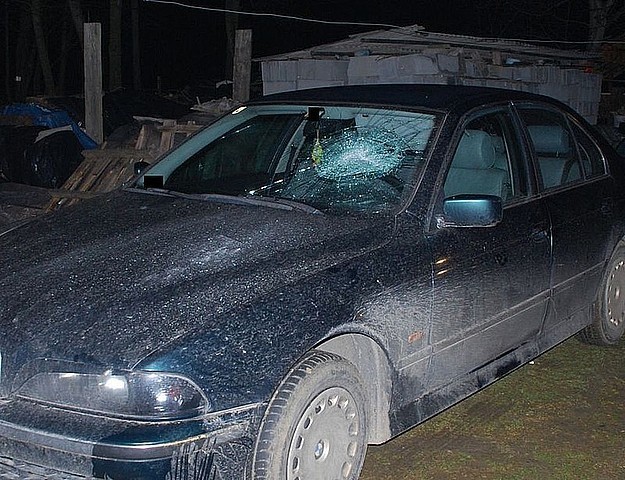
column 406, row 30
column 274, row 15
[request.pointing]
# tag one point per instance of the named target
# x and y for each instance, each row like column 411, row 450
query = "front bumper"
column 86, row 445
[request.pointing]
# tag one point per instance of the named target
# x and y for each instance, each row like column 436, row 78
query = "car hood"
column 113, row 280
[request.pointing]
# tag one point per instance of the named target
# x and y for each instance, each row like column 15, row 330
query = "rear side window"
column 554, row 147
column 591, row 157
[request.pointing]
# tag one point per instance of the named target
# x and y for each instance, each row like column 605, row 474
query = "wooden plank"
column 101, row 171
column 167, row 135
column 142, row 138
column 170, row 130
column 104, row 170
column 94, row 121
column 187, row 128
column 242, row 69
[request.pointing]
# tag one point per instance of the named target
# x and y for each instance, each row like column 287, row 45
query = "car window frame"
column 568, row 117
column 438, row 193
column 606, row 165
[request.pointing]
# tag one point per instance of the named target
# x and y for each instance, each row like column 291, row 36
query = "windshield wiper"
column 271, row 202
column 304, row 207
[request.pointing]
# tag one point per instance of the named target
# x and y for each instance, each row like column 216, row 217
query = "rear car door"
column 491, row 284
column 579, row 196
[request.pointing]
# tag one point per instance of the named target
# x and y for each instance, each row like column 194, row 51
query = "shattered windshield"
column 336, row 159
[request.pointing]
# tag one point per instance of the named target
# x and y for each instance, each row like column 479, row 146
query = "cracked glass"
column 333, row 159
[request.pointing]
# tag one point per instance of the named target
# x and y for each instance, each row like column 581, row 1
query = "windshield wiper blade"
column 271, row 202
column 304, row 207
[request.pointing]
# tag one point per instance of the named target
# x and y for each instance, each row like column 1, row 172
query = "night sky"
column 194, row 40
column 186, row 46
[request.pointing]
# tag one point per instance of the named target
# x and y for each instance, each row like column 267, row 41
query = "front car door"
column 491, row 284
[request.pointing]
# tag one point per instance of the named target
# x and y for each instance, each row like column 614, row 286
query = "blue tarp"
column 51, row 118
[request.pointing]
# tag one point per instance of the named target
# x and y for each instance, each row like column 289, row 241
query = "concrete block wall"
column 287, row 75
column 580, row 90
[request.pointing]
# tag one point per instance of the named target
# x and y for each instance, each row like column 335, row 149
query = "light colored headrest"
column 475, row 150
column 549, row 139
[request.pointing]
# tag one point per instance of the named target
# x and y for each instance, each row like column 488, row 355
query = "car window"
column 238, row 161
column 553, row 147
column 592, row 159
column 488, row 159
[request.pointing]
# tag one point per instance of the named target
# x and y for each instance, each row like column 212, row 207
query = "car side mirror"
column 140, row 167
column 471, row 211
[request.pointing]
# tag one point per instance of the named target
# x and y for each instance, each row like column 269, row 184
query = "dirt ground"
column 560, row 418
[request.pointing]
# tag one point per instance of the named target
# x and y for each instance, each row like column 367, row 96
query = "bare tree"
column 25, row 55
column 602, row 16
column 115, row 44
column 78, row 19
column 232, row 23
column 42, row 48
column 136, row 56
column 7, row 53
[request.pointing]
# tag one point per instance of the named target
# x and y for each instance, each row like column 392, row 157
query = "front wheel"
column 608, row 324
column 315, row 425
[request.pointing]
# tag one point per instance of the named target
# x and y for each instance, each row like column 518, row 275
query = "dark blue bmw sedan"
column 316, row 271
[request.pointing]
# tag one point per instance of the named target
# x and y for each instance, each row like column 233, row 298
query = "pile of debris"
column 47, row 160
column 108, row 167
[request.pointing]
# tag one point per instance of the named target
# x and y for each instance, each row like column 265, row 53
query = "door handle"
column 539, row 233
column 606, row 207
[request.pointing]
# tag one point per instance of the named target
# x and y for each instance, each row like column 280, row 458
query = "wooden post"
column 242, row 70
column 94, row 122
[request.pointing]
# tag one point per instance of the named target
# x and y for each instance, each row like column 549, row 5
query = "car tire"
column 608, row 324
column 316, row 423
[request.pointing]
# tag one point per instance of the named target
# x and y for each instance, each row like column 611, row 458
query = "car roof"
column 436, row 97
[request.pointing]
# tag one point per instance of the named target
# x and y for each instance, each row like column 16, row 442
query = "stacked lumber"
column 171, row 132
column 101, row 171
column 106, row 169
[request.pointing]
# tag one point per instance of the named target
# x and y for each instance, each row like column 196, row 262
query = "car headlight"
column 140, row 395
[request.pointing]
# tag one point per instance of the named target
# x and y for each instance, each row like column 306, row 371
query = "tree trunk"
column 65, row 44
column 77, row 18
column 42, row 49
column 115, row 45
column 7, row 55
column 598, row 11
column 136, row 53
column 24, row 56
column 232, row 23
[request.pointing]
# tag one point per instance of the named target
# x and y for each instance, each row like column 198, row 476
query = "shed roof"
column 415, row 39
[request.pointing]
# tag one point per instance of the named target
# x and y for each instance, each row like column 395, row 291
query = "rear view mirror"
column 471, row 211
column 140, row 167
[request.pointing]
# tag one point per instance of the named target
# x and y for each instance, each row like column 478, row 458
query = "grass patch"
column 561, row 418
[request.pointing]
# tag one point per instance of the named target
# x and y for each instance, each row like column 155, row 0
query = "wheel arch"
column 372, row 363
column 617, row 241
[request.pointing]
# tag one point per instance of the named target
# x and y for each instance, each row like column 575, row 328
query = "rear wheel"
column 315, row 425
column 608, row 324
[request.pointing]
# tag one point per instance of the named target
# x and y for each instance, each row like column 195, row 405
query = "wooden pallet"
column 170, row 134
column 101, row 171
column 106, row 169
